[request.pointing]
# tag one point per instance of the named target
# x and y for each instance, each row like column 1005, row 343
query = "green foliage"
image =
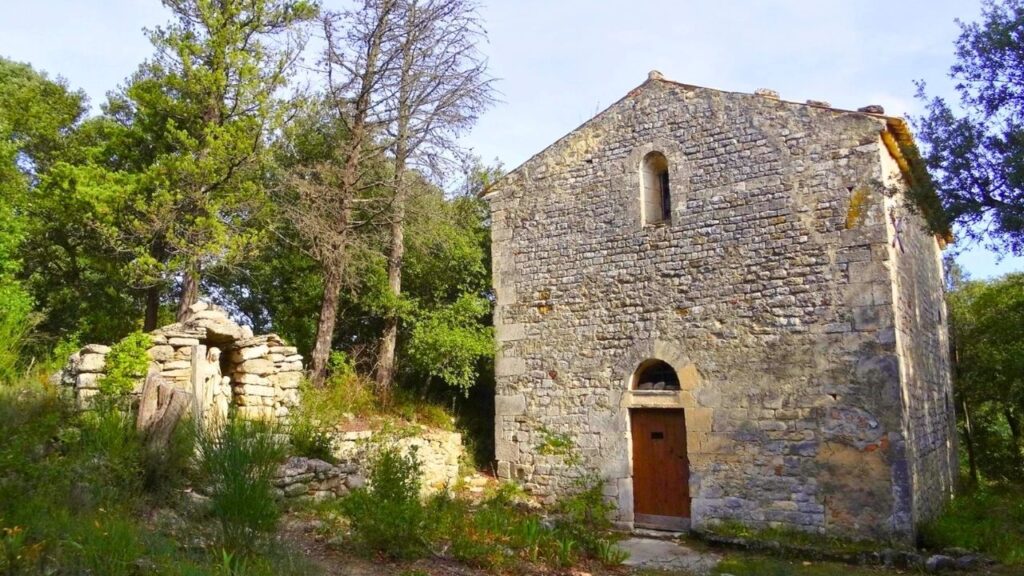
column 449, row 342
column 388, row 517
column 238, row 462
column 987, row 321
column 976, row 152
column 126, row 365
column 16, row 320
column 987, row 519
column 311, row 440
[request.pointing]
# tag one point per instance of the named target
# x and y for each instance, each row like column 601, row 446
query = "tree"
column 977, row 151
column 438, row 91
column 987, row 318
column 199, row 112
column 329, row 197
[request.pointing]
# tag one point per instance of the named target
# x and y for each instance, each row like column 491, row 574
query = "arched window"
column 657, row 201
column 655, row 375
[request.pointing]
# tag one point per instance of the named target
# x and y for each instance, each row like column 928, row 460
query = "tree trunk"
column 189, row 293
column 1015, row 432
column 325, row 325
column 152, row 308
column 389, row 340
column 969, row 440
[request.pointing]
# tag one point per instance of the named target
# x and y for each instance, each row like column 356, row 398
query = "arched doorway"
column 661, row 468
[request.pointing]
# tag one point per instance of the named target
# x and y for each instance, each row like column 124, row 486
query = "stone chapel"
column 725, row 303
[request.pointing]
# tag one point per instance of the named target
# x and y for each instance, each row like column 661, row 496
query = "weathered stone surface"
column 257, row 366
column 181, row 341
column 243, row 354
column 91, row 363
column 95, row 349
column 775, row 288
column 160, row 353
column 286, row 380
column 246, row 378
column 87, row 380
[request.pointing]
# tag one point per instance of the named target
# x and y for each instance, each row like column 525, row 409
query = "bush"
column 237, row 463
column 388, row 517
column 312, row 441
column 126, row 364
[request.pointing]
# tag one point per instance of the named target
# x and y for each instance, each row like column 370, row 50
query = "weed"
column 608, row 553
column 565, row 550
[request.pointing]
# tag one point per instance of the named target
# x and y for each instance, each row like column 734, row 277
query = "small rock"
column 938, row 563
column 198, row 307
column 872, row 109
column 96, row 349
column 355, row 481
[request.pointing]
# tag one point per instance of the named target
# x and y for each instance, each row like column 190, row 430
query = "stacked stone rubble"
column 209, row 355
column 311, row 478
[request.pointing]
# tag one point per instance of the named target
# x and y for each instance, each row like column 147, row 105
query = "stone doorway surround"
column 698, row 422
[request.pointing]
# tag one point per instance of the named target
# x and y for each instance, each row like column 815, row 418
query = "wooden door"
column 661, row 471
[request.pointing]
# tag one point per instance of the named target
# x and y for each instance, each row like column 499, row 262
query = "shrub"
column 126, row 364
column 237, row 463
column 312, row 441
column 388, row 517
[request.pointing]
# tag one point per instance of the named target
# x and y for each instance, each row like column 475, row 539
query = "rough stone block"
column 257, row 366
column 92, row 363
column 243, row 354
column 160, row 353
column 509, row 405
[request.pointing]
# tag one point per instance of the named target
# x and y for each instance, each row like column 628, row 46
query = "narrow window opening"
column 657, row 198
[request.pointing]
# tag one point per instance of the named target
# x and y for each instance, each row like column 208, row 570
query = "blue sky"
column 560, row 61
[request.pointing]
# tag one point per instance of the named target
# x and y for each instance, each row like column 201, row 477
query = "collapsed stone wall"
column 769, row 292
column 211, row 356
column 311, row 478
column 438, row 451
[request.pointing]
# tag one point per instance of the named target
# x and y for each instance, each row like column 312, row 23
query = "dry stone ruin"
column 224, row 368
column 221, row 364
column 724, row 303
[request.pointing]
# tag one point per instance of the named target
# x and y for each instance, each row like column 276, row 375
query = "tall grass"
column 237, row 463
column 989, row 519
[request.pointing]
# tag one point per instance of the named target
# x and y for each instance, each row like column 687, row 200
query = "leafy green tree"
column 199, row 113
column 39, row 118
column 988, row 326
column 976, row 150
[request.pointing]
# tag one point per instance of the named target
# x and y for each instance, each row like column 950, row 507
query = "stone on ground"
column 667, row 555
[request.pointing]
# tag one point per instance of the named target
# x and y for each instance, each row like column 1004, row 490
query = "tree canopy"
column 975, row 148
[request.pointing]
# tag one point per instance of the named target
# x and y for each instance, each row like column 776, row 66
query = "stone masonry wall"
column 923, row 343
column 258, row 375
column 769, row 292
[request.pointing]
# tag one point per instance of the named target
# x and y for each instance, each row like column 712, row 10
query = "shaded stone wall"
column 208, row 355
column 923, row 344
column 769, row 292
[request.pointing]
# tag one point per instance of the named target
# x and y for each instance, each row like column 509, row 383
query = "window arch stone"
column 656, row 192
